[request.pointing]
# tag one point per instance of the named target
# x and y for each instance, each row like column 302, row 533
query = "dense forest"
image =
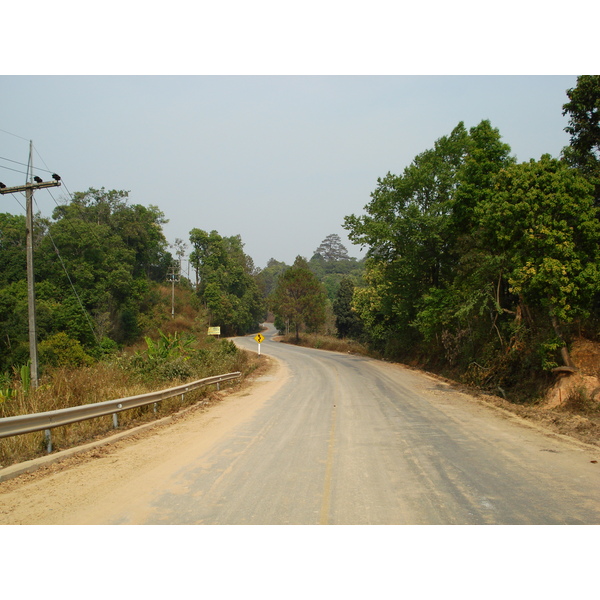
column 482, row 264
column 475, row 263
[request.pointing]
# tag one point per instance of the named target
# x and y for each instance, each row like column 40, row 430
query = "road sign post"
column 259, row 337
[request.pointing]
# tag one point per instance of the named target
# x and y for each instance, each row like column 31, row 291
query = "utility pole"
column 28, row 189
column 173, row 269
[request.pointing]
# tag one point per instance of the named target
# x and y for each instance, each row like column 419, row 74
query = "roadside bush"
column 60, row 350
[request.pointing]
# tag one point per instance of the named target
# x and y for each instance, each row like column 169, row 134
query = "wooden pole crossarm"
column 28, row 186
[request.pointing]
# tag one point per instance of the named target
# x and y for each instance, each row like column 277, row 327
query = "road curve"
column 352, row 440
column 329, row 438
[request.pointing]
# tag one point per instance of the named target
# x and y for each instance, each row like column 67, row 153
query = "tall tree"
column 226, row 281
column 299, row 298
column 583, row 110
column 408, row 229
column 267, row 278
column 347, row 320
column 94, row 261
column 542, row 218
column 12, row 248
column 332, row 249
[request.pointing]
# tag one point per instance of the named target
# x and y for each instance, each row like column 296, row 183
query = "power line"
column 16, row 170
column 14, row 134
column 25, row 164
column 85, row 312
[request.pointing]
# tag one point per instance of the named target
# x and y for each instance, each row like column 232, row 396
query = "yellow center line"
column 328, row 473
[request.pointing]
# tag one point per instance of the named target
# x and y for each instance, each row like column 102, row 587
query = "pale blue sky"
column 279, row 160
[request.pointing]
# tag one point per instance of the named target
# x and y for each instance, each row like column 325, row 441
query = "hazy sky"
column 279, row 160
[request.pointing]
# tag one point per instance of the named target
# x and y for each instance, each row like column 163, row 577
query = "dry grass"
column 327, row 342
column 63, row 388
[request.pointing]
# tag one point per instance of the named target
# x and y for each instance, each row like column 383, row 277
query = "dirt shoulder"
column 65, row 459
column 116, row 471
column 563, row 420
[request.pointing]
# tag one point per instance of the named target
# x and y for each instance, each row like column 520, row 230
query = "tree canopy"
column 583, row 110
column 299, row 299
column 94, row 261
column 478, row 259
column 226, row 282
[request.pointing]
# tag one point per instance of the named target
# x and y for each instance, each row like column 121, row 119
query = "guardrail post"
column 155, row 404
column 48, row 436
column 115, row 420
column 218, row 386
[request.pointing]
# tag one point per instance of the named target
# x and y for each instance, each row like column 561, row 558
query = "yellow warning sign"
column 259, row 337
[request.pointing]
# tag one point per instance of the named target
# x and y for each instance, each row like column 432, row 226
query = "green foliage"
column 331, row 249
column 226, row 282
column 6, row 390
column 59, row 350
column 175, row 357
column 583, row 110
column 166, row 357
column 12, row 248
column 167, row 347
column 347, row 320
column 543, row 220
column 299, row 300
column 25, row 374
column 95, row 262
column 477, row 262
column 267, row 278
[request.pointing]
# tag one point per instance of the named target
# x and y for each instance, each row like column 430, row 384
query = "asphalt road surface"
column 350, row 440
column 335, row 439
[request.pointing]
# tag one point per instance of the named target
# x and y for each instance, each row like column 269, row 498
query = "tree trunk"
column 564, row 352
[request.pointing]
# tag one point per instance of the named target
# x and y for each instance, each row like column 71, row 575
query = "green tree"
column 542, row 218
column 347, row 320
column 267, row 278
column 408, row 229
column 583, row 110
column 470, row 303
column 299, row 298
column 332, row 249
column 226, row 281
column 94, row 263
column 12, row 248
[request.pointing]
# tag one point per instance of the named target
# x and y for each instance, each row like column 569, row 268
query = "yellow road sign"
column 259, row 337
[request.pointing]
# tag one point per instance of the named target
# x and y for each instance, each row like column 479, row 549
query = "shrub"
column 60, row 350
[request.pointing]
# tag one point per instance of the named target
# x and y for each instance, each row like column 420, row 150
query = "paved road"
column 334, row 439
column 349, row 440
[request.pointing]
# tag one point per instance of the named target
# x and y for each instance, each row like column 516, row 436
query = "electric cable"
column 23, row 164
column 85, row 312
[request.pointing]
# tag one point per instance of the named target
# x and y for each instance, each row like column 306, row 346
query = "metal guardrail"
column 21, row 424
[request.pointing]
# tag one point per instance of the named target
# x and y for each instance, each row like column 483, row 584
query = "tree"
column 299, row 298
column 542, row 218
column 94, row 262
column 138, row 227
column 226, row 282
column 12, row 248
column 469, row 303
column 486, row 155
column 332, row 249
column 347, row 320
column 408, row 230
column 583, row 109
column 267, row 278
